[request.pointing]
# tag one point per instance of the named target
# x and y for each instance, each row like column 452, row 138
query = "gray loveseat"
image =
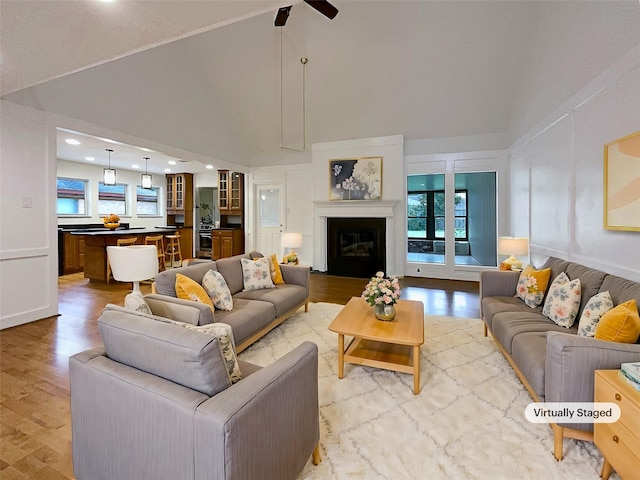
column 254, row 313
column 553, row 362
column 156, row 402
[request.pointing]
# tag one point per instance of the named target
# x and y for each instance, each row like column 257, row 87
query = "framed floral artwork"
column 355, row 178
column 622, row 184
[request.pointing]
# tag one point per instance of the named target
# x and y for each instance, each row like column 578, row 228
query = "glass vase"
column 384, row 312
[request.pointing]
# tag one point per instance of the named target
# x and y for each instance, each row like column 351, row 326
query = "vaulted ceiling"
column 206, row 76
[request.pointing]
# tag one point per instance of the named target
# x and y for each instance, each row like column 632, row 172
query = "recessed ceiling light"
column 167, row 170
column 172, row 162
column 72, row 141
column 135, row 166
column 210, row 167
column 89, row 159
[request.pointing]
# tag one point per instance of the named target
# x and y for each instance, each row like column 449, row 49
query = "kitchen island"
column 96, row 242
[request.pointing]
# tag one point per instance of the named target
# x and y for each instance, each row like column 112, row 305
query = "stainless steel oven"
column 204, row 236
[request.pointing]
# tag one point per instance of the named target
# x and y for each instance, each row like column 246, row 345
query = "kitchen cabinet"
column 230, row 192
column 226, row 242
column 180, row 194
column 73, row 254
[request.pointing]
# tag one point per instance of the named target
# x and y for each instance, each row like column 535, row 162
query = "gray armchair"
column 156, row 403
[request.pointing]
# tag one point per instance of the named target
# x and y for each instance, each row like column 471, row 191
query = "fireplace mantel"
column 356, row 208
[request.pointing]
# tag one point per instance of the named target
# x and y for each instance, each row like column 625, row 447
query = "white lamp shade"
column 292, row 240
column 133, row 263
column 513, row 246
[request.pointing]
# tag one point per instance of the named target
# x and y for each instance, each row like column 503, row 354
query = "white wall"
column 556, row 172
column 28, row 235
column 94, row 173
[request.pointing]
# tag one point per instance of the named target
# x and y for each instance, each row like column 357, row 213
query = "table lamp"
column 133, row 263
column 291, row 240
column 513, row 246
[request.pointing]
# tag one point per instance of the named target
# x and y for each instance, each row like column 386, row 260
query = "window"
column 112, row 199
column 147, row 201
column 426, row 217
column 72, row 196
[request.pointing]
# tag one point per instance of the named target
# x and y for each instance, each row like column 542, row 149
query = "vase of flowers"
column 382, row 293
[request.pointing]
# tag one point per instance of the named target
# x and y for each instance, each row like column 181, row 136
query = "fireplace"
column 356, row 246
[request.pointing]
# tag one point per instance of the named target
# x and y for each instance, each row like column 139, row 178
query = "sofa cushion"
column 247, row 317
column 188, row 289
column 590, row 281
column 596, row 306
column 216, row 287
column 529, row 354
column 563, row 300
column 166, row 280
column 507, row 325
column 557, row 266
column 256, row 274
column 493, row 305
column 532, row 285
column 283, row 297
column 621, row 289
column 231, row 270
column 185, row 357
column 620, row 324
column 224, row 334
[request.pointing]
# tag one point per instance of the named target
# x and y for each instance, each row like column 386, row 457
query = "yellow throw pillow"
column 276, row 273
column 621, row 324
column 188, row 289
column 532, row 285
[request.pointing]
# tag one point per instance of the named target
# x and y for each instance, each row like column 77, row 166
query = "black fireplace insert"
column 356, row 246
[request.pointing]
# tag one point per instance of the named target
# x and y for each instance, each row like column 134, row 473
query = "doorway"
column 269, row 213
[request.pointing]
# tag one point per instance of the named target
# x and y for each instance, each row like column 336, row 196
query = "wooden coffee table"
column 393, row 345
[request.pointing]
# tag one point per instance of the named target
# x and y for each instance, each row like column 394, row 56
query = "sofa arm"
column 498, row 283
column 296, row 275
column 572, row 360
column 266, row 425
column 180, row 310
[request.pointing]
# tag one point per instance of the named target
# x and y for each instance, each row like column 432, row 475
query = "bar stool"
column 173, row 250
column 159, row 243
column 120, row 242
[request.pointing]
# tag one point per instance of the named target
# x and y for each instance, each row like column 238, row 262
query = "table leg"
column 340, row 355
column 416, row 370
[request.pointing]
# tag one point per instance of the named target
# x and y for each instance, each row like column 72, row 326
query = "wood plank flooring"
column 35, row 421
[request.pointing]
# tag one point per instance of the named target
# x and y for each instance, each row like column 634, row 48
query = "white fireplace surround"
column 355, row 209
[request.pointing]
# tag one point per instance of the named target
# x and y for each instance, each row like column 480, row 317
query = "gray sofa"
column 554, row 363
column 156, row 403
column 254, row 313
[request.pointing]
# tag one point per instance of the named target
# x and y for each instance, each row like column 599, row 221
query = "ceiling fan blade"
column 323, row 7
column 281, row 16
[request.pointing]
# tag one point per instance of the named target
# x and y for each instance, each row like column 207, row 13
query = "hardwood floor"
column 35, row 421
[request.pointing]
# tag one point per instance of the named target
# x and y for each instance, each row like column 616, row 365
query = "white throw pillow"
column 563, row 300
column 256, row 274
column 224, row 334
column 597, row 306
column 135, row 301
column 216, row 287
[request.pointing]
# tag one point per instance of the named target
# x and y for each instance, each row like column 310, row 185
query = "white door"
column 269, row 219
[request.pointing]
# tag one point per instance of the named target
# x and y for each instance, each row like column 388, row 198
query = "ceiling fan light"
column 281, row 16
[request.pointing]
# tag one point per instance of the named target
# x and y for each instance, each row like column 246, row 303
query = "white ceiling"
column 425, row 69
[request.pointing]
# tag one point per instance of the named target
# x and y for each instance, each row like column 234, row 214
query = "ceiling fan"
column 323, row 6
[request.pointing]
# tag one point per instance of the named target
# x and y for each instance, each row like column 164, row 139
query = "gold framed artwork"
column 355, row 178
column 622, row 184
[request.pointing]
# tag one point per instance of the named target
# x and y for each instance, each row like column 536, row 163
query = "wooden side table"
column 619, row 442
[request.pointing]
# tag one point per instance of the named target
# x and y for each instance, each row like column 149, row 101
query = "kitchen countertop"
column 122, row 231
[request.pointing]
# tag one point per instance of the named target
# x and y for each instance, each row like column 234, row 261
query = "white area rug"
column 466, row 423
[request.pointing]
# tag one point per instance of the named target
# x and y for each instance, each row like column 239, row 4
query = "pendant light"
column 146, row 178
column 109, row 177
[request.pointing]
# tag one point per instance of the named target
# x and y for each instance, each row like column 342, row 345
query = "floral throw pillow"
column 216, row 287
column 597, row 306
column 532, row 285
column 563, row 300
column 135, row 301
column 256, row 274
